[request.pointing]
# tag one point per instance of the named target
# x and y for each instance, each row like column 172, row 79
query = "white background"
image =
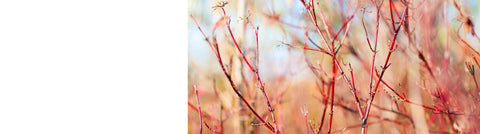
column 93, row 66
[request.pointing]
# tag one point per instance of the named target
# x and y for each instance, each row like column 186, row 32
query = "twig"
column 374, row 50
column 306, row 48
column 206, row 115
column 402, row 98
column 469, row 27
column 325, row 102
column 331, row 49
column 366, row 32
column 310, row 39
column 471, row 70
column 466, row 43
column 261, row 84
column 232, row 84
column 199, row 109
column 208, row 127
column 372, row 96
column 305, row 113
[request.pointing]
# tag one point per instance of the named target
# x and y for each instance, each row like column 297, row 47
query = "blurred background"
column 297, row 80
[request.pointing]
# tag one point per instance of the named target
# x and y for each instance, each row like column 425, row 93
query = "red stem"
column 408, row 101
column 473, row 75
column 375, row 47
column 262, row 86
column 332, row 95
column 352, row 88
column 258, row 54
column 208, row 127
column 385, row 66
column 199, row 109
column 209, row 117
column 475, row 79
column 305, row 114
column 325, row 102
column 391, row 15
column 232, row 84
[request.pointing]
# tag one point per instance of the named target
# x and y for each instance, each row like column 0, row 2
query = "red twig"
column 468, row 27
column 332, row 51
column 347, row 28
column 209, row 128
column 310, row 39
column 325, row 102
column 199, row 109
column 374, row 50
column 206, row 115
column 307, row 48
column 476, row 62
column 235, row 41
column 261, row 84
column 402, row 98
column 366, row 32
column 232, row 84
column 467, row 21
column 384, row 67
column 351, row 73
column 335, row 63
column 391, row 15
column 221, row 106
column 471, row 70
column 465, row 42
column 332, row 96
column 305, row 113
column 379, row 121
